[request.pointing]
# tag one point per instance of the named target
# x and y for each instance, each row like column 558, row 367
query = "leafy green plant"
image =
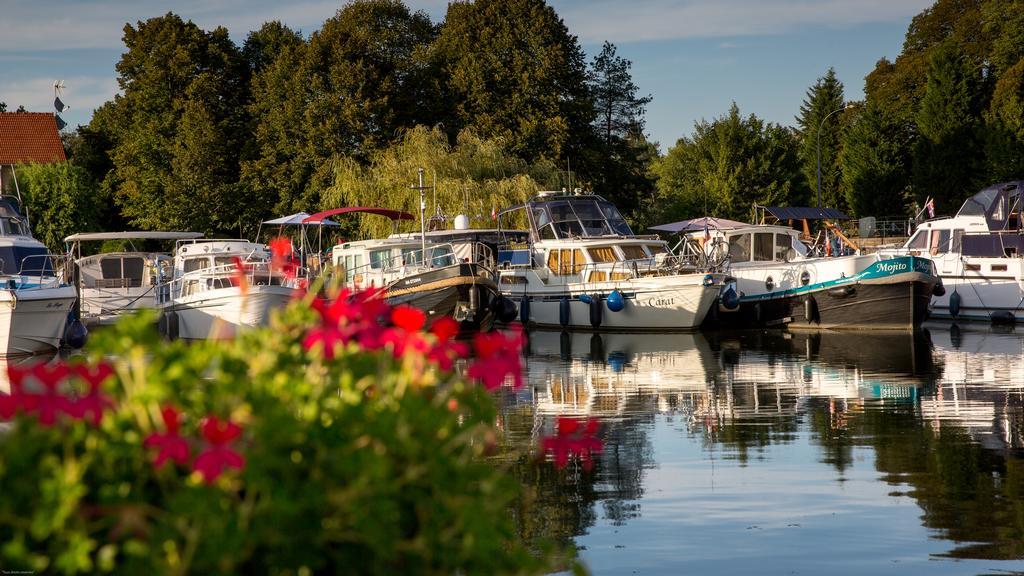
column 338, row 439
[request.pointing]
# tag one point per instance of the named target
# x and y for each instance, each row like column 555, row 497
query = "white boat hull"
column 33, row 320
column 658, row 303
column 219, row 314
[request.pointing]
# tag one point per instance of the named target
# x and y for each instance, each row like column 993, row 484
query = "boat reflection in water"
column 906, row 447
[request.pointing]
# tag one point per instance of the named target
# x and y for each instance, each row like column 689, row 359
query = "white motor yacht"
column 111, row 284
column 979, row 254
column 583, row 268
column 34, row 304
column 209, row 296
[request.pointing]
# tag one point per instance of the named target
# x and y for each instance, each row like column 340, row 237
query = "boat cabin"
column 380, row 262
column 560, row 216
column 988, row 225
column 758, row 244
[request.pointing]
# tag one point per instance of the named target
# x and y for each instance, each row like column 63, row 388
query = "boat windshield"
column 1000, row 205
column 25, row 261
column 577, row 217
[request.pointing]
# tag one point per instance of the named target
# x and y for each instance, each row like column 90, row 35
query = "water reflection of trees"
column 938, row 434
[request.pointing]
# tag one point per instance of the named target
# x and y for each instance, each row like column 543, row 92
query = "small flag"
column 494, row 212
column 59, row 104
column 931, row 207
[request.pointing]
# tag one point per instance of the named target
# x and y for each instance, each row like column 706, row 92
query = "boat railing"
column 661, row 265
column 35, row 272
column 254, row 272
column 385, row 270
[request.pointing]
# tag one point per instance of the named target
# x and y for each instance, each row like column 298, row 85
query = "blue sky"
column 695, row 57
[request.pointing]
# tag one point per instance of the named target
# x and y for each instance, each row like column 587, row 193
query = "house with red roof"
column 26, row 137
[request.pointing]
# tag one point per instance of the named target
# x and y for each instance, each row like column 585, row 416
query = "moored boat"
column 582, row 268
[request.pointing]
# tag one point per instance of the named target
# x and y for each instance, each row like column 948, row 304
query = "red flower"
column 351, row 316
column 94, row 402
column 215, row 459
column 282, row 259
column 445, row 328
column 171, row 446
column 498, row 357
column 49, row 402
column 238, row 275
column 573, row 439
column 408, row 318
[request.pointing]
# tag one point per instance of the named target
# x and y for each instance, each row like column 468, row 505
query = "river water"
column 778, row 453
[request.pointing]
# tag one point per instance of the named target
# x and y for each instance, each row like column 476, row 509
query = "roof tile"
column 29, row 137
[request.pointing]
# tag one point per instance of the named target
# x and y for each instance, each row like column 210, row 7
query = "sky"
column 694, row 57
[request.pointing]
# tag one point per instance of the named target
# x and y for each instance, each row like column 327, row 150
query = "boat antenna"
column 423, row 217
column 568, row 170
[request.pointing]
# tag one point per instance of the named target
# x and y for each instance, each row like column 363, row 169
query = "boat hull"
column 219, row 314
column 463, row 292
column 34, row 320
column 889, row 295
column 656, row 304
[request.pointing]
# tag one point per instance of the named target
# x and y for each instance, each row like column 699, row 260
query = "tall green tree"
column 360, row 81
column 622, row 166
column 178, row 127
column 874, row 165
column 727, row 165
column 947, row 155
column 821, row 127
column 61, row 199
column 263, row 46
column 512, row 70
column 1004, row 136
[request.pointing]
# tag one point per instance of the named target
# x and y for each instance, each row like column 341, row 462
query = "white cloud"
column 616, row 21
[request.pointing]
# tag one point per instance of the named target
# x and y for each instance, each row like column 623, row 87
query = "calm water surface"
column 776, row 453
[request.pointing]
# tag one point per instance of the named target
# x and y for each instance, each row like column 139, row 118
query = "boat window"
column 633, row 252
column 602, row 254
column 739, row 248
column 564, row 262
column 958, row 237
column 223, row 261
column 657, row 248
column 26, row 261
column 592, row 218
column 197, row 263
column 111, row 268
column 918, row 241
column 615, row 220
column 410, row 256
column 783, row 245
column 379, row 259
column 441, row 256
column 940, row 242
column 764, row 246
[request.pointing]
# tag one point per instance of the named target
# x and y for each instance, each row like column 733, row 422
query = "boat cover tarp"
column 698, row 224
column 804, row 213
column 132, row 235
column 393, row 214
column 296, row 219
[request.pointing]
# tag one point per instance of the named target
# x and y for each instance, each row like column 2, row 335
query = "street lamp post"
column 820, row 124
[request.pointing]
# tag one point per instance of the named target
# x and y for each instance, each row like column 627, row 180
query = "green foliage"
column 179, row 127
column 821, row 126
column 1004, row 138
column 511, row 70
column 352, row 89
column 61, row 199
column 874, row 165
column 263, row 46
column 947, row 154
column 621, row 171
column 363, row 464
column 474, row 177
column 727, row 166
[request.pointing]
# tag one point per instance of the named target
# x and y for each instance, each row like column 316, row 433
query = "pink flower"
column 282, row 259
column 170, row 445
column 498, row 357
column 212, row 462
column 238, row 275
column 49, row 402
column 444, row 352
column 574, row 438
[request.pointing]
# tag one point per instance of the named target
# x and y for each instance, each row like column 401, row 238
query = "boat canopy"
column 561, row 216
column 296, row 219
column 132, row 235
column 698, row 224
column 320, row 217
column 803, row 213
column 999, row 204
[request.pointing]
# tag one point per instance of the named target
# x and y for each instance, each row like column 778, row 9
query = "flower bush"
column 340, row 439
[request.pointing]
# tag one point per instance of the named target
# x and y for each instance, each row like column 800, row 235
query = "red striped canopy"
column 393, row 214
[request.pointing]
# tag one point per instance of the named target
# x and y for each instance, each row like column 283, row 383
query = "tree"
column 178, row 127
column 726, row 166
column 359, row 82
column 623, row 151
column 1004, row 136
column 947, row 158
column 61, row 199
column 874, row 165
column 511, row 70
column 823, row 99
column 263, row 46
